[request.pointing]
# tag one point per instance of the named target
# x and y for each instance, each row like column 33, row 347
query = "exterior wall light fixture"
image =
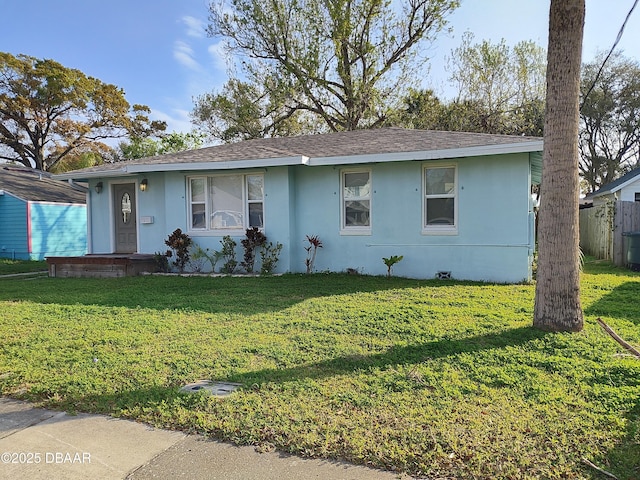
column 144, row 184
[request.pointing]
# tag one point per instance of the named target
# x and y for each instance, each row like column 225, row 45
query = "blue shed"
column 453, row 204
column 40, row 217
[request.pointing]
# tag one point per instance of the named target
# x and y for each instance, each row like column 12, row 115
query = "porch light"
column 143, row 185
column 98, row 187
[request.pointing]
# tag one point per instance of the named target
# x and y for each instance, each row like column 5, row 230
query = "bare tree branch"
column 618, row 339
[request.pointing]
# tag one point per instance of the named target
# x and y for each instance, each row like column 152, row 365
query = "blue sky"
column 157, row 51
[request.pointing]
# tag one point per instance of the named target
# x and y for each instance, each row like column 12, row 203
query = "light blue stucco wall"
column 99, row 218
column 57, row 230
column 150, row 203
column 278, row 212
column 494, row 241
column 154, row 202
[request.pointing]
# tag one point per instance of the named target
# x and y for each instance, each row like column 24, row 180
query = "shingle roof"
column 343, row 144
column 35, row 186
column 616, row 184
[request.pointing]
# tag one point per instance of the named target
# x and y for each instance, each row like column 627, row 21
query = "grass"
column 10, row 267
column 436, row 378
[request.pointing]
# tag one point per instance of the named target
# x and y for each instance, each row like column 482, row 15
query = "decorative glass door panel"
column 124, row 206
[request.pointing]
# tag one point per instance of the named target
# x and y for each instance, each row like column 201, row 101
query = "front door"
column 124, row 208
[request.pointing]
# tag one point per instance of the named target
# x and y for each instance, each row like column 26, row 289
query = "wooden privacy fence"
column 602, row 228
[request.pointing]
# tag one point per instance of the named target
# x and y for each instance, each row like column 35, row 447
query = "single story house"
column 40, row 217
column 452, row 204
column 625, row 189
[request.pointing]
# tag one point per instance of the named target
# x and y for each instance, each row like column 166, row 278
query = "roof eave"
column 133, row 169
column 4, row 191
column 443, row 154
column 616, row 188
column 82, row 176
column 224, row 165
column 599, row 193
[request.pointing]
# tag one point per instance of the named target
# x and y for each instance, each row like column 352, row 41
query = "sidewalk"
column 43, row 444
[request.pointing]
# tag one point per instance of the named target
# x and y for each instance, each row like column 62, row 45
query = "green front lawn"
column 10, row 267
column 436, row 378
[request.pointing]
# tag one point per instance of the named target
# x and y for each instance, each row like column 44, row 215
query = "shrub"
column 200, row 255
column 161, row 262
column 269, row 256
column 179, row 244
column 314, row 244
column 254, row 240
column 391, row 261
column 228, row 254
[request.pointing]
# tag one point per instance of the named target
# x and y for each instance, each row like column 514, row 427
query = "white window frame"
column 207, row 205
column 248, row 201
column 439, row 229
column 191, row 203
column 350, row 229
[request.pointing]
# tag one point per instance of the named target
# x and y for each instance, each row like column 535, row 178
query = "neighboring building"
column 610, row 221
column 625, row 189
column 451, row 203
column 40, row 217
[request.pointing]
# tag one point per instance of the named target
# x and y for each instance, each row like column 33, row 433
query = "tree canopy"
column 499, row 89
column 609, row 119
column 149, row 147
column 49, row 112
column 505, row 85
column 312, row 65
column 242, row 111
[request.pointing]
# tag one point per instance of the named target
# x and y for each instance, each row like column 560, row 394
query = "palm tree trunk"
column 557, row 301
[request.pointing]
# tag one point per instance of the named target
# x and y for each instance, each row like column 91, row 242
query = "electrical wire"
column 615, row 44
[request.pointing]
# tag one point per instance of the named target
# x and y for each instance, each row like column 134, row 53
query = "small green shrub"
column 269, row 256
column 228, row 254
column 161, row 262
column 200, row 255
column 391, row 261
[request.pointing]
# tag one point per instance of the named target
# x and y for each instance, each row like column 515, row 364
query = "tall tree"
column 242, row 111
column 337, row 64
column 173, row 142
column 48, row 111
column 502, row 86
column 609, row 119
column 82, row 159
column 420, row 109
column 557, row 298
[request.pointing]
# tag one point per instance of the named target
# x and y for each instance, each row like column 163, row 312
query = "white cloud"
column 219, row 55
column 203, row 68
column 195, row 26
column 184, row 54
column 177, row 121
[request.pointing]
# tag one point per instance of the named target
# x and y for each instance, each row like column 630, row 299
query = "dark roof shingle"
column 35, row 186
column 341, row 144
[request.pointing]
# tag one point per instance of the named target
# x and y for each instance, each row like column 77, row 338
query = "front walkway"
column 42, row 444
